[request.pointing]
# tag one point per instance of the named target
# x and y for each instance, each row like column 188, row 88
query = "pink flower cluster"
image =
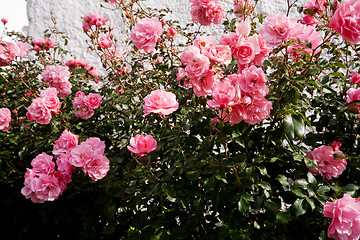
column 5, row 118
column 105, row 41
column 44, row 183
column 353, row 94
column 85, row 105
column 238, row 96
column 345, row 218
column 41, row 108
column 355, row 77
column 328, row 165
column 346, row 21
column 11, row 50
column 141, row 145
column 161, row 102
column 146, row 33
column 73, row 64
column 93, row 19
column 207, row 12
column 58, row 77
column 42, row 44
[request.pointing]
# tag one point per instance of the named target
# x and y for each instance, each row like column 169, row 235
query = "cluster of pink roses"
column 353, row 94
column 141, row 145
column 345, row 218
column 73, row 64
column 44, row 183
column 207, row 12
column 85, row 105
column 146, row 33
column 105, row 41
column 279, row 28
column 5, row 118
column 57, row 76
column 93, row 19
column 42, row 107
column 11, row 50
column 328, row 165
column 239, row 96
column 42, row 44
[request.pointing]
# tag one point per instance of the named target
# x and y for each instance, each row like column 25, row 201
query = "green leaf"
column 299, row 192
column 283, row 180
column 271, row 206
column 311, row 163
column 179, row 232
column 350, row 188
column 293, row 126
column 160, row 234
column 298, row 207
column 283, row 218
column 311, row 202
column 244, row 206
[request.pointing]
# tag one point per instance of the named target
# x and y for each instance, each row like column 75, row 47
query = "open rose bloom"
column 161, row 102
column 141, row 145
column 345, row 218
column 5, row 118
column 146, row 33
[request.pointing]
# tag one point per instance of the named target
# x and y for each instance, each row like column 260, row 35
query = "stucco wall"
column 68, row 15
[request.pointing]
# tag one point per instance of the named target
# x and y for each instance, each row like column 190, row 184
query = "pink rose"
column 315, row 5
column 5, row 118
column 336, row 145
column 38, row 111
column 345, row 214
column 64, row 167
column 51, row 100
column 54, row 74
column 276, row 29
column 218, row 53
column 236, row 114
column 93, row 100
column 146, row 33
column 42, row 44
column 96, row 144
column 43, row 163
column 257, row 111
column 97, row 167
column 204, row 42
column 10, row 50
column 223, row 95
column 252, row 82
column 41, row 187
column 353, row 94
column 328, row 166
column 93, row 19
column 82, row 107
column 202, row 86
column 196, row 63
column 141, row 145
column 346, row 21
column 80, row 155
column 207, row 12
column 67, row 141
column 355, row 77
column 161, row 102
column 171, row 32
column 243, row 28
column 4, row 21
column 105, row 41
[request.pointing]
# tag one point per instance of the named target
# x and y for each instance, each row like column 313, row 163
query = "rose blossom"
column 276, row 29
column 93, row 19
column 96, row 144
column 93, row 100
column 203, row 85
column 141, row 145
column 223, row 94
column 171, row 32
column 355, row 77
column 5, row 118
column 196, row 63
column 80, row 155
column 67, row 141
column 38, row 111
column 346, row 21
column 97, row 167
column 43, row 163
column 64, row 167
column 146, row 33
column 4, row 21
column 10, row 50
column 51, row 101
column 315, row 5
column 105, row 41
column 161, row 102
column 328, row 166
column 207, row 12
column 353, row 94
column 42, row 44
column 345, row 214
column 257, row 111
column 58, row 77
column 218, row 53
column 84, row 105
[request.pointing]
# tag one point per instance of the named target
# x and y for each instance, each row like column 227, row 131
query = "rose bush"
column 241, row 139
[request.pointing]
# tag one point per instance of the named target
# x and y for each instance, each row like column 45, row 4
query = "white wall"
column 68, row 15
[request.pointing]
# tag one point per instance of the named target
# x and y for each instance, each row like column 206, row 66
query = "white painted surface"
column 68, row 15
column 15, row 12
